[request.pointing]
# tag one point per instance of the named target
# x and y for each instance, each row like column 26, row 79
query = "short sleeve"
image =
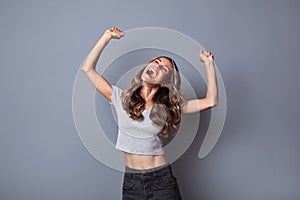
column 116, row 96
column 182, row 102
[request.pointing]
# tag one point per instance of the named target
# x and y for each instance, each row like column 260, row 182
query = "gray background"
column 256, row 46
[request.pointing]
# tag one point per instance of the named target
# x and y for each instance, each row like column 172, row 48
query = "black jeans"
column 157, row 184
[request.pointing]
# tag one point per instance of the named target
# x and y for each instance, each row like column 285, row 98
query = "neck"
column 148, row 91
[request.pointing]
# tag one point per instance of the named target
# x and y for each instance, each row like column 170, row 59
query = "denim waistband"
column 131, row 170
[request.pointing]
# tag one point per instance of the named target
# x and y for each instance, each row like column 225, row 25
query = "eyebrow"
column 160, row 61
column 157, row 59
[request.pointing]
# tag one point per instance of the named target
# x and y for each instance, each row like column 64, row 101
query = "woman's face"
column 157, row 71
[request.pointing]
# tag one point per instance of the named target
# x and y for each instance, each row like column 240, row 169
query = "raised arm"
column 211, row 98
column 89, row 65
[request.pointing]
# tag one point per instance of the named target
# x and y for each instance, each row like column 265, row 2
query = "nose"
column 159, row 67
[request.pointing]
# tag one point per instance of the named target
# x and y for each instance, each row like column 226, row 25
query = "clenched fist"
column 206, row 56
column 115, row 33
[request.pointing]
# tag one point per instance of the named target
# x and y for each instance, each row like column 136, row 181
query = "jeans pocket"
column 128, row 184
column 167, row 182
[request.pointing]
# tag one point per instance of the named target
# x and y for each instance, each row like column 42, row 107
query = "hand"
column 114, row 33
column 206, row 56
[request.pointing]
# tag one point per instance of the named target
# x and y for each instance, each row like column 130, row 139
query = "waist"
column 163, row 167
column 144, row 162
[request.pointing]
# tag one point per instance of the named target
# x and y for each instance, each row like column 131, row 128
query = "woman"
column 149, row 111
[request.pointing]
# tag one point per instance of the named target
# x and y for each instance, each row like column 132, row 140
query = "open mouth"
column 150, row 72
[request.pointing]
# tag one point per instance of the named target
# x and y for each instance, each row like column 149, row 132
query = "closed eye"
column 165, row 68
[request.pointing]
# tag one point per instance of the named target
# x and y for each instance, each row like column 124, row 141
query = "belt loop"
column 154, row 173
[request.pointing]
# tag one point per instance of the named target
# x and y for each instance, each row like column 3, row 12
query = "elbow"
column 85, row 69
column 214, row 103
column 212, row 100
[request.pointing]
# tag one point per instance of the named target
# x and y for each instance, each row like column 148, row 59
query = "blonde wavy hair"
column 167, row 101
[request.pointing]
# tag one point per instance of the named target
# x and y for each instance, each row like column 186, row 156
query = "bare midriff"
column 136, row 161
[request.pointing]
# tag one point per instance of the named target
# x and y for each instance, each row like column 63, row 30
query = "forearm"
column 212, row 85
column 93, row 57
column 90, row 64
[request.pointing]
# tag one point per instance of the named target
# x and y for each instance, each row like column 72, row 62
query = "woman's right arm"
column 89, row 65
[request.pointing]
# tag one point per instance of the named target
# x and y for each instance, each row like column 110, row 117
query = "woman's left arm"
column 211, row 98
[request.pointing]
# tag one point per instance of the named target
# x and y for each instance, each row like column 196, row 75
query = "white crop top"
column 137, row 137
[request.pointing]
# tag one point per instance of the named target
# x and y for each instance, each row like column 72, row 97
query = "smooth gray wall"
column 256, row 46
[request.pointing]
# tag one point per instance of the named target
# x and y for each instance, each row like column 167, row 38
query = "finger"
column 202, row 52
column 118, row 30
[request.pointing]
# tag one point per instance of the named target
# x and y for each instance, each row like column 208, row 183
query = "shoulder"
column 116, row 94
column 116, row 89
